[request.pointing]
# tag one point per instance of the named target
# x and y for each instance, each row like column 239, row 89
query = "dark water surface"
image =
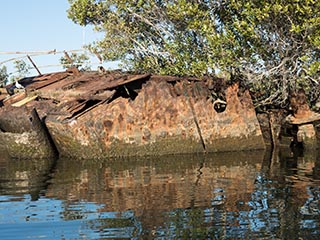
column 243, row 195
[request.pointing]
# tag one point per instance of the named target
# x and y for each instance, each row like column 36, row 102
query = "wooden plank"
column 3, row 91
column 51, row 81
column 122, row 81
column 24, row 101
column 174, row 79
column 95, row 105
column 14, row 98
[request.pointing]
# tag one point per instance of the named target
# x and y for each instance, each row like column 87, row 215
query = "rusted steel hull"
column 164, row 118
column 93, row 115
column 234, row 129
column 23, row 135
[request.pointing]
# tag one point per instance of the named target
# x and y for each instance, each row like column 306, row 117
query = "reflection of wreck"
column 24, row 176
column 150, row 185
column 96, row 115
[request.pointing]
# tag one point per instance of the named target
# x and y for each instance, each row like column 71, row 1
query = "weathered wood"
column 120, row 82
column 45, row 82
column 24, row 101
column 68, row 57
column 34, row 65
column 3, row 91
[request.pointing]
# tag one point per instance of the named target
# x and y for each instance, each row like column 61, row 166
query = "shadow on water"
column 244, row 195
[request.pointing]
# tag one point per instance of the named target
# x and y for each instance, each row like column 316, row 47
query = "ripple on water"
column 56, row 219
column 219, row 196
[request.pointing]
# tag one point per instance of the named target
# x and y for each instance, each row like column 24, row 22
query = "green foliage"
column 22, row 70
column 21, row 67
column 80, row 61
column 3, row 75
column 273, row 45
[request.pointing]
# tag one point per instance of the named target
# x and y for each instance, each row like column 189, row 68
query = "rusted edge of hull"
column 32, row 143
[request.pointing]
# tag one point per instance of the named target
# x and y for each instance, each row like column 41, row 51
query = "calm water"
column 247, row 195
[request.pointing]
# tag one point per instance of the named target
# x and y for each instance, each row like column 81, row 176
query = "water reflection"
column 20, row 176
column 247, row 195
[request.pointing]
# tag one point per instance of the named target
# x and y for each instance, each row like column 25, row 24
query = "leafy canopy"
column 3, row 75
column 22, row 70
column 273, row 46
column 76, row 60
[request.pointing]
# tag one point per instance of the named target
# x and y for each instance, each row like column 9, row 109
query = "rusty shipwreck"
column 114, row 114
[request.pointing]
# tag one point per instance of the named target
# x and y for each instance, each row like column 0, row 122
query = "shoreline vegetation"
column 270, row 47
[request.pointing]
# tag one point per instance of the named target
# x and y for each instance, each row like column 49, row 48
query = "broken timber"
column 94, row 115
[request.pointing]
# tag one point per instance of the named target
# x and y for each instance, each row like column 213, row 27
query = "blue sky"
column 40, row 25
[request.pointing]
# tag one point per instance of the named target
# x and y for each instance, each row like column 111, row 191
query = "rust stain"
column 117, row 114
column 302, row 114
